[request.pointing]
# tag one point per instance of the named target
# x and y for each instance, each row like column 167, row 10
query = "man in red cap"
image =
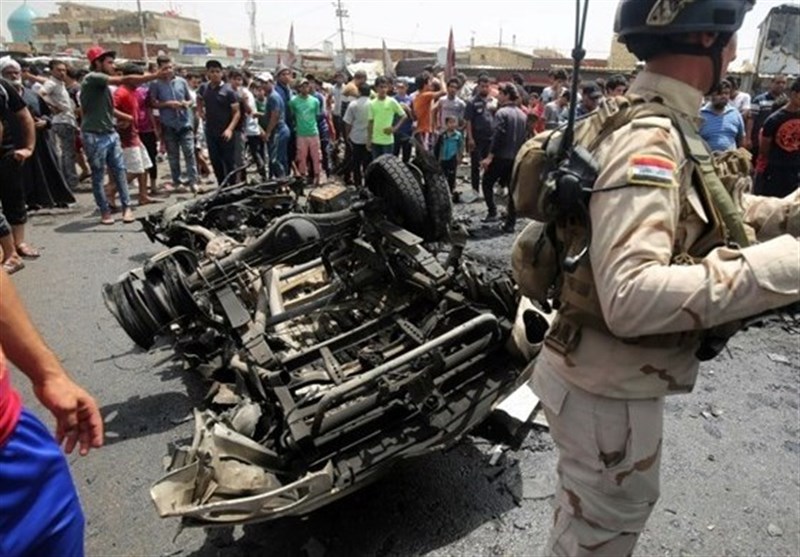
column 100, row 138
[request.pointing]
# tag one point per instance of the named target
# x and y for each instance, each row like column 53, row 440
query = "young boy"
column 450, row 148
column 305, row 108
column 134, row 153
column 382, row 111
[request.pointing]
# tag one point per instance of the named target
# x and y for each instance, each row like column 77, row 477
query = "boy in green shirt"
column 382, row 110
column 305, row 108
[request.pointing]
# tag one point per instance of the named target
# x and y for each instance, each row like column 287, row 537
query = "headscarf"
column 9, row 62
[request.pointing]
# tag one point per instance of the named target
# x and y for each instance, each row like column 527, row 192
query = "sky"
column 422, row 25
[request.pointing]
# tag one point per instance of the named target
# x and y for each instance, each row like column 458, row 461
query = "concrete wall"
column 620, row 57
column 500, row 57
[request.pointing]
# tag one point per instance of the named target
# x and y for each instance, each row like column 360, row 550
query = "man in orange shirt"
column 423, row 103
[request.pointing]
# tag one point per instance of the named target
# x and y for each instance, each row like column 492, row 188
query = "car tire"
column 390, row 179
column 440, row 207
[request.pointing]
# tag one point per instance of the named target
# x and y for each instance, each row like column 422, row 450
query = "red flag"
column 450, row 66
column 291, row 59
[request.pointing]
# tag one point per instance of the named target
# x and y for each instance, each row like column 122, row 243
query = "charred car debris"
column 341, row 335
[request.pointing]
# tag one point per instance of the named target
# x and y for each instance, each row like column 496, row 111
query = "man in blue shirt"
column 276, row 130
column 723, row 126
column 402, row 137
column 170, row 95
column 284, row 77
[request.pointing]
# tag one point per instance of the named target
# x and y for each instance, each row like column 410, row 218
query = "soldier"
column 662, row 275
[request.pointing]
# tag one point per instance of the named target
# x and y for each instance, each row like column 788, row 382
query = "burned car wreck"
column 337, row 343
column 237, row 211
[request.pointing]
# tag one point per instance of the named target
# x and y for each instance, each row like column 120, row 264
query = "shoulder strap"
column 723, row 203
column 613, row 115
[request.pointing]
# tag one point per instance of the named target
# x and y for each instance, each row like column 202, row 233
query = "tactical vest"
column 575, row 293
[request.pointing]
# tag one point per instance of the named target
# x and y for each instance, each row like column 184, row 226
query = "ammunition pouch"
column 565, row 335
column 529, row 178
column 535, row 262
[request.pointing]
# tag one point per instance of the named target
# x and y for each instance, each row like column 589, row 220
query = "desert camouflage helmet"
column 643, row 23
column 647, row 27
column 670, row 17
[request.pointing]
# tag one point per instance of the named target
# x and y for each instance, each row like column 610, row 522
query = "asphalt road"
column 731, row 467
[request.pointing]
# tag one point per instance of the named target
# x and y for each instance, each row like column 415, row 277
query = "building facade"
column 77, row 26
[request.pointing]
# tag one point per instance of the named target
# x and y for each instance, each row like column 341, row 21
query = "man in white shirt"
column 253, row 134
column 741, row 102
column 356, row 122
column 65, row 126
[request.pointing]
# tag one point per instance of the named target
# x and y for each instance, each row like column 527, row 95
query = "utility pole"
column 141, row 31
column 251, row 13
column 342, row 13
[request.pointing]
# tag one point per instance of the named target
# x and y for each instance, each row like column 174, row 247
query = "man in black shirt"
column 510, row 132
column 218, row 107
column 780, row 145
column 480, row 123
column 18, row 141
column 761, row 108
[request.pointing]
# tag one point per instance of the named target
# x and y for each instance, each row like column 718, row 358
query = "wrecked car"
column 337, row 342
column 237, row 211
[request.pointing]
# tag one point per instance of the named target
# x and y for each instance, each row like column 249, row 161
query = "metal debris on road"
column 774, row 530
column 779, row 358
column 497, row 453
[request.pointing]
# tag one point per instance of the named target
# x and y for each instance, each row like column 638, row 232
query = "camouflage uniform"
column 604, row 396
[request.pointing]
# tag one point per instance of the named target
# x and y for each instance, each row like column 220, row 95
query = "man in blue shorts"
column 40, row 513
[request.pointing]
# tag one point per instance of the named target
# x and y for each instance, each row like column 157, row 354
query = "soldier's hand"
column 78, row 420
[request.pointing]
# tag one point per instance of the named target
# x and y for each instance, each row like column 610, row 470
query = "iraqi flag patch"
column 651, row 170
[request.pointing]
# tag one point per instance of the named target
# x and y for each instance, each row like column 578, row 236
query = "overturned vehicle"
column 338, row 344
column 237, row 211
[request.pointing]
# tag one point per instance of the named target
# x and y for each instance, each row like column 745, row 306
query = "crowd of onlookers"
column 767, row 125
column 120, row 120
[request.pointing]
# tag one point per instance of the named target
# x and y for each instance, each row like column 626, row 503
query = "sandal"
column 27, row 251
column 12, row 267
